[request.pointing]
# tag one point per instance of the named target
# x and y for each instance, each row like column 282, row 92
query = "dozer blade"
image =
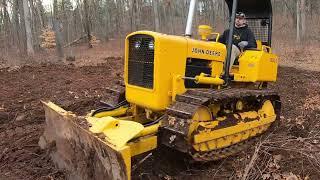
column 78, row 151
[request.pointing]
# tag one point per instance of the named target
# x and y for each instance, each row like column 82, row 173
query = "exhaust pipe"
column 190, row 18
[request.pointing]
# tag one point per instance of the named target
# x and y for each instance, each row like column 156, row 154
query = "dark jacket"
column 240, row 34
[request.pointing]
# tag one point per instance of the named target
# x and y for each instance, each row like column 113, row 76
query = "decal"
column 236, row 37
column 205, row 52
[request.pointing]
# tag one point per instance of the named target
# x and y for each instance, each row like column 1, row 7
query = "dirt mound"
column 22, row 116
column 80, row 88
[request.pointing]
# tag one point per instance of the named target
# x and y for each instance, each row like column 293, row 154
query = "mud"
column 81, row 88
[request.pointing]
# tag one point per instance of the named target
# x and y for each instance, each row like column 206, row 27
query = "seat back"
column 260, row 29
column 259, row 45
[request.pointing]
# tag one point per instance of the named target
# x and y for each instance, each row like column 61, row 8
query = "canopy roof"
column 259, row 17
column 253, row 8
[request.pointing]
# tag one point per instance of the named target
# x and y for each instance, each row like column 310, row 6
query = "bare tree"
column 22, row 27
column 156, row 15
column 27, row 22
column 87, row 22
column 6, row 22
column 16, row 25
column 40, row 13
column 56, row 28
column 301, row 20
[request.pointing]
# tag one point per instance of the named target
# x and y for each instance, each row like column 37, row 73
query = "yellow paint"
column 216, row 68
column 168, row 50
column 170, row 56
column 267, row 109
column 259, row 45
column 211, row 124
column 217, row 36
column 232, row 130
column 129, row 138
column 202, row 114
column 230, row 139
column 249, row 114
column 143, row 145
column 203, row 79
column 126, row 155
column 266, row 114
column 149, row 130
column 117, row 132
column 239, row 105
column 205, row 31
column 257, row 66
column 177, row 87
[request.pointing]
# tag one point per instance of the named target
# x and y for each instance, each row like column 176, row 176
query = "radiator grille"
column 141, row 61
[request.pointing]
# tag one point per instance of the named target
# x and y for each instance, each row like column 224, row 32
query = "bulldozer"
column 180, row 92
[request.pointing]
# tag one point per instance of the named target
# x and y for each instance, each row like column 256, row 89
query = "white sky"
column 48, row 3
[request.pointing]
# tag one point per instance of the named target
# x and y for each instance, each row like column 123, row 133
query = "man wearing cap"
column 243, row 38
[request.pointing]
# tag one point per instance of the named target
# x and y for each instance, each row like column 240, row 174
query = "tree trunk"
column 298, row 37
column 81, row 17
column 303, row 19
column 39, row 13
column 15, row 17
column 6, row 24
column 156, row 15
column 22, row 28
column 211, row 13
column 27, row 21
column 87, row 22
column 169, row 16
column 35, row 25
column 119, row 16
column 136, row 14
column 56, row 28
column 107, row 23
column 133, row 15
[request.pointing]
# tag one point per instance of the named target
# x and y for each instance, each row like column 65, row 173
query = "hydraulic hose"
column 104, row 109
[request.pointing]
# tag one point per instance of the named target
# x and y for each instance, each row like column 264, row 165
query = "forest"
column 29, row 26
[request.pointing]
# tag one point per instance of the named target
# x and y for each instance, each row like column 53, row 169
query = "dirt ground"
column 292, row 151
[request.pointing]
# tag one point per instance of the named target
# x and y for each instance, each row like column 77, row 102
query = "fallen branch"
column 252, row 162
column 75, row 41
column 141, row 161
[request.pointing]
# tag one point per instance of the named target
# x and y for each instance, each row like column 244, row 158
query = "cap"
column 241, row 15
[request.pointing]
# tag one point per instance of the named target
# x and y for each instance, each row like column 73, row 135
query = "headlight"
column 151, row 45
column 137, row 44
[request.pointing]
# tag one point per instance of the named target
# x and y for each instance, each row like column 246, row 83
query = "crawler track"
column 174, row 130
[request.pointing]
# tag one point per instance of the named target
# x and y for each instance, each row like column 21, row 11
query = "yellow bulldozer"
column 180, row 92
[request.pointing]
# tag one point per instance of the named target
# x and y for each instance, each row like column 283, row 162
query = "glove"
column 243, row 44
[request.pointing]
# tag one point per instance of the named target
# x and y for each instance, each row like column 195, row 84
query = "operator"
column 243, row 37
